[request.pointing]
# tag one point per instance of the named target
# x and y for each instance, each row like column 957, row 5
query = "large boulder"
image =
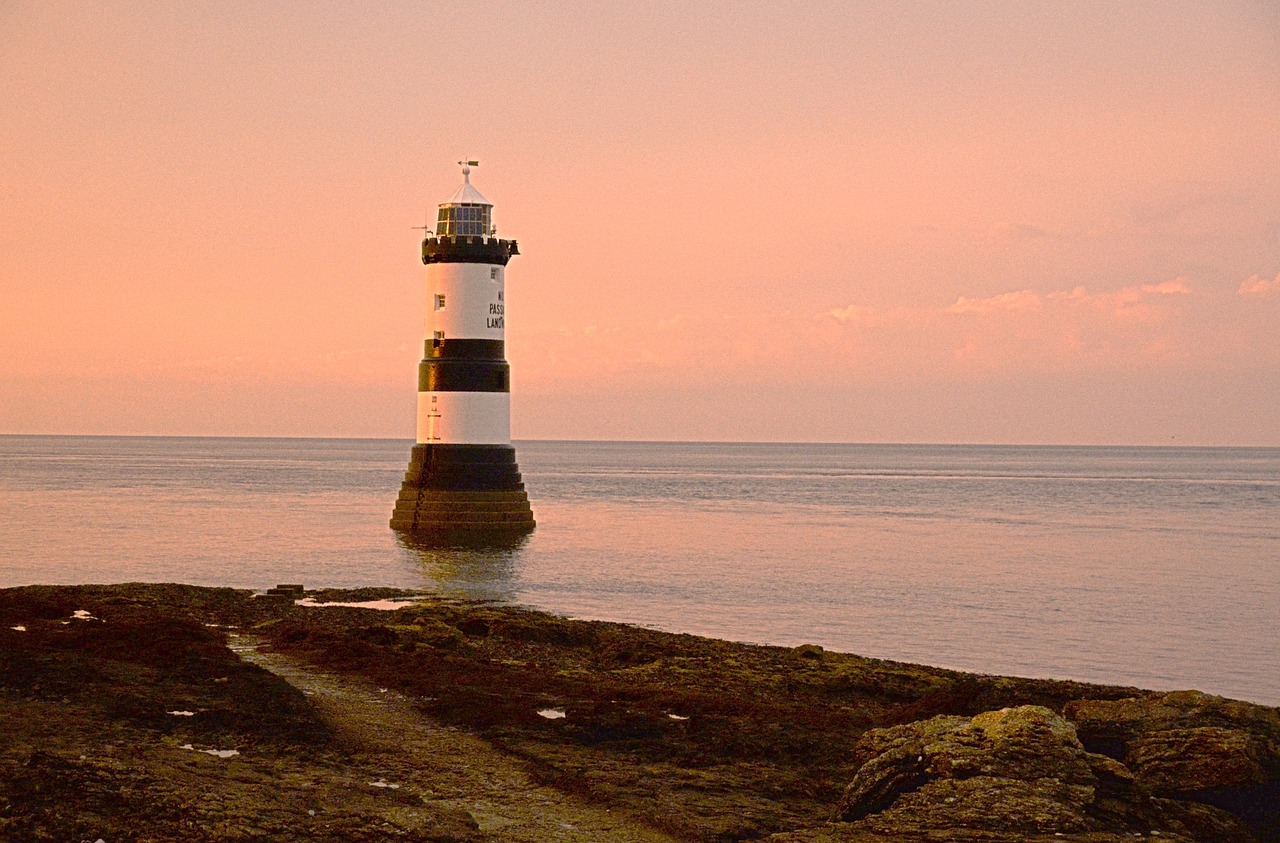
column 1109, row 725
column 1014, row 774
column 892, row 762
column 1180, row 761
column 1017, row 767
column 1187, row 745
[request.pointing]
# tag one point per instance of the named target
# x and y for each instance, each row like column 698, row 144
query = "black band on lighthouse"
column 464, row 376
column 465, row 349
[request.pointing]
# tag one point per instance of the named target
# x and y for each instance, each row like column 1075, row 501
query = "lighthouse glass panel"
column 464, row 220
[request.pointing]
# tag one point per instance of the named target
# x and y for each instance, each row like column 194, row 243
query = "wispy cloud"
column 1019, row 300
column 1168, row 288
column 857, row 316
column 1257, row 286
column 1022, row 301
column 1162, row 324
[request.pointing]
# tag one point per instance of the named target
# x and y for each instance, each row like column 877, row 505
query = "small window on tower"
column 439, row 301
column 438, row 340
column 493, row 273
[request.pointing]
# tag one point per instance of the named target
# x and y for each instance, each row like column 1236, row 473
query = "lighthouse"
column 463, row 480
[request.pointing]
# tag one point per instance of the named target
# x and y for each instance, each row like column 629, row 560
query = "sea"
column 1150, row 566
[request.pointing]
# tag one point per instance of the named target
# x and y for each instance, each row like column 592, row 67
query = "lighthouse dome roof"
column 466, row 213
column 466, row 194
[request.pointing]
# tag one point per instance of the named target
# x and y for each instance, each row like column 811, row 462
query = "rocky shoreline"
column 143, row 712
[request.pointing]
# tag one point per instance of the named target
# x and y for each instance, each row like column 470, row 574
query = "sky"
column 989, row 222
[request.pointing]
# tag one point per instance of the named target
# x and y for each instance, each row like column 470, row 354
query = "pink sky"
column 901, row 222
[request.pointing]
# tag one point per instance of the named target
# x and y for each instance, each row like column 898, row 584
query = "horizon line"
column 798, row 442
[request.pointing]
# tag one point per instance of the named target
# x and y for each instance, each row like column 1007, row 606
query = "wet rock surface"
column 127, row 718
column 1196, row 747
column 661, row 734
column 1011, row 774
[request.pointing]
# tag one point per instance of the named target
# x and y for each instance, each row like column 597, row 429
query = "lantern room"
column 466, row 213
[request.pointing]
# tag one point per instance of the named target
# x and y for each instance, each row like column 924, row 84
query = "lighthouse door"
column 433, row 422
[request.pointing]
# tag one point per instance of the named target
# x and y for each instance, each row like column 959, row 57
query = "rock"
column 1119, row 800
column 1188, row 760
column 1203, row 822
column 1225, row 753
column 1026, row 743
column 892, row 762
column 1106, row 726
column 990, row 803
column 1016, row 772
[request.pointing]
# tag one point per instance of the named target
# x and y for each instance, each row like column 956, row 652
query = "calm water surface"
column 1158, row 567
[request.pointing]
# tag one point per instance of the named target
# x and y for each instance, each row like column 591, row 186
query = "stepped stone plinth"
column 471, row 489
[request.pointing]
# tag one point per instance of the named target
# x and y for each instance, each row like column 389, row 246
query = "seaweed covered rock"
column 1018, row 768
column 1105, row 725
column 1203, row 758
column 1019, row 773
column 1189, row 746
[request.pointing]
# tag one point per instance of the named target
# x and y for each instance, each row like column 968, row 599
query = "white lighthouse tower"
column 463, row 477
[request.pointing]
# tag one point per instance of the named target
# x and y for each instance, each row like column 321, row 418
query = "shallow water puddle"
column 382, row 605
column 220, row 753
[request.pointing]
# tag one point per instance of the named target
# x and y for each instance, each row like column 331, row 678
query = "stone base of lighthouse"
column 463, row 490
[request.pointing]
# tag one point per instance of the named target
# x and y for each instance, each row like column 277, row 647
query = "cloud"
column 1068, row 329
column 1258, row 286
column 1133, row 302
column 1168, row 288
column 1019, row 301
column 857, row 316
column 1077, row 293
column 1166, row 325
